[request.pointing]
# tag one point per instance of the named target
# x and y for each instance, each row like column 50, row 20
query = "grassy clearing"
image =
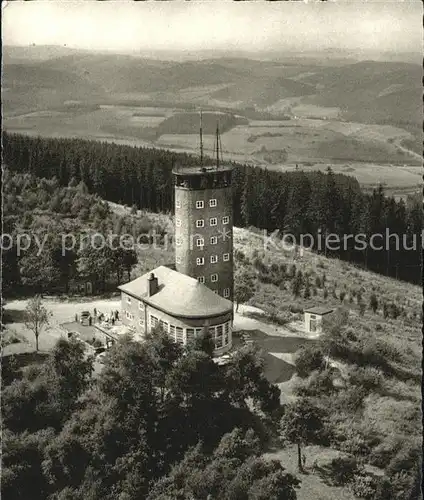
column 312, row 487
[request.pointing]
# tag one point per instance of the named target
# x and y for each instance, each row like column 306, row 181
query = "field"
column 274, row 114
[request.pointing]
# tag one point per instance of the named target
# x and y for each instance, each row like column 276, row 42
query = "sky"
column 195, row 26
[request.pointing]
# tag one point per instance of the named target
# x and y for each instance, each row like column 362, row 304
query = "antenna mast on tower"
column 217, row 146
column 201, row 140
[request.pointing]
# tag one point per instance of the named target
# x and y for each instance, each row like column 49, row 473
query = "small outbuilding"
column 313, row 318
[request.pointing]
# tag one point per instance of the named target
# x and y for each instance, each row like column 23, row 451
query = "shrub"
column 364, row 486
column 384, row 452
column 325, row 293
column 368, row 378
column 343, row 469
column 342, row 296
column 307, row 360
column 294, row 308
column 373, row 303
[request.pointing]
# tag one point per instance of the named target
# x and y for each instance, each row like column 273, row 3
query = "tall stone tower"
column 204, row 225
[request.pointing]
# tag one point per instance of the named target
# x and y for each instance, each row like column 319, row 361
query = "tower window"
column 128, row 300
column 200, row 242
column 200, row 261
column 201, row 279
column 141, row 305
column 213, row 221
column 226, row 257
column 178, row 222
column 226, row 292
column 200, row 223
column 214, row 240
column 178, row 259
column 212, row 203
column 225, row 220
column 214, row 278
column 179, row 242
column 214, row 259
column 178, row 204
column 200, row 204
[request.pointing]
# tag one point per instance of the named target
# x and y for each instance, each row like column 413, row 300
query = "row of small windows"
column 200, row 261
column 200, row 242
column 213, row 221
column 200, row 203
column 220, row 333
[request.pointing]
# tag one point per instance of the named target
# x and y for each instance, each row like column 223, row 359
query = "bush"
column 368, row 378
column 307, row 360
column 343, row 469
column 364, row 486
column 373, row 303
column 318, row 383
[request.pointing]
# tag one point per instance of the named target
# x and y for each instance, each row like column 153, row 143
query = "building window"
column 128, row 300
column 200, row 223
column 225, row 220
column 213, row 221
column 226, row 257
column 172, row 332
column 219, row 337
column 313, row 316
column 178, row 242
column 200, row 204
column 153, row 321
column 178, row 260
column 200, row 261
column 178, row 222
column 214, row 278
column 226, row 338
column 164, row 325
column 212, row 203
column 226, row 292
column 189, row 334
column 214, row 259
column 179, row 335
column 214, row 240
column 178, row 204
column 200, row 242
column 201, row 279
column 198, row 332
column 141, row 305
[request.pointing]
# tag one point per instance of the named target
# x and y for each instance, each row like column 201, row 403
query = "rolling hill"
column 102, row 95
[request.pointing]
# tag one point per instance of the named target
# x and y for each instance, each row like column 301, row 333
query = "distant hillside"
column 371, row 92
column 47, row 78
column 264, row 91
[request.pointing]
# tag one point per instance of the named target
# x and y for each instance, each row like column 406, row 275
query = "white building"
column 313, row 318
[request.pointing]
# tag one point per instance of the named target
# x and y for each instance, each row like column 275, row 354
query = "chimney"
column 152, row 285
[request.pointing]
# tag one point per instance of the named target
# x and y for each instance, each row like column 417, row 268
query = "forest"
column 179, row 428
column 298, row 202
